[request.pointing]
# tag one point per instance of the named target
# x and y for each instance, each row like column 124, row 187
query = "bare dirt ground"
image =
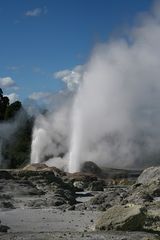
column 52, row 224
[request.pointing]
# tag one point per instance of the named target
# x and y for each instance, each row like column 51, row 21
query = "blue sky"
column 41, row 37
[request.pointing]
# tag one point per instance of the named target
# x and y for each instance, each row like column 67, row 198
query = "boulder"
column 140, row 195
column 96, row 186
column 149, row 175
column 4, row 228
column 79, row 185
column 148, row 184
column 6, row 204
column 43, row 167
column 152, row 222
column 5, row 175
column 104, row 200
column 80, row 180
column 36, row 166
column 91, row 167
column 147, row 187
column 123, row 218
column 78, row 176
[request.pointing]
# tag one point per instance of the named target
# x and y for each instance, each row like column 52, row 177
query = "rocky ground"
column 39, row 202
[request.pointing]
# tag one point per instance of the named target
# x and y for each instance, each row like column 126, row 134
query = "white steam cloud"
column 72, row 77
column 116, row 112
column 50, row 140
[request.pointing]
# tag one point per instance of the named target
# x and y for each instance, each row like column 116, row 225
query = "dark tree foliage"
column 12, row 110
column 4, row 103
column 1, row 92
column 16, row 149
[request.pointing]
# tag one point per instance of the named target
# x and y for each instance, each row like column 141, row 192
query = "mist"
column 114, row 118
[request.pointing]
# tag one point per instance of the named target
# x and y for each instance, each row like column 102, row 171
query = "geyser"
column 76, row 144
column 115, row 117
column 50, row 136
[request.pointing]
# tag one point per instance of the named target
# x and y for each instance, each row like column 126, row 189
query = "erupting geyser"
column 76, row 144
column 116, row 112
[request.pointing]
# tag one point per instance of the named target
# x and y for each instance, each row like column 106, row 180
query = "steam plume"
column 115, row 119
column 50, row 134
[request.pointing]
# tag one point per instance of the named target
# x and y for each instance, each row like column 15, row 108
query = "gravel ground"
column 48, row 220
column 79, row 236
column 52, row 224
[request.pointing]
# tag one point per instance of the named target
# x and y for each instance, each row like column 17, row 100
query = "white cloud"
column 40, row 96
column 36, row 12
column 71, row 77
column 12, row 97
column 7, row 82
